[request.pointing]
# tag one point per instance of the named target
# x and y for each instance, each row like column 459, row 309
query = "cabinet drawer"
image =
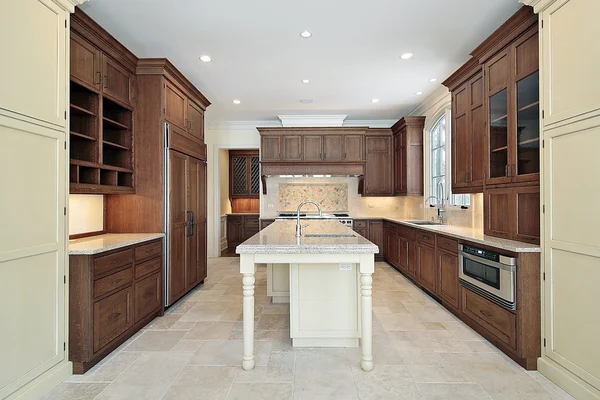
column 112, row 282
column 148, row 250
column 360, row 224
column 406, row 232
column 450, row 245
column 234, row 219
column 498, row 321
column 361, row 232
column 148, row 267
column 147, row 296
column 112, row 317
column 113, row 261
column 390, row 226
column 426, row 237
column 251, row 222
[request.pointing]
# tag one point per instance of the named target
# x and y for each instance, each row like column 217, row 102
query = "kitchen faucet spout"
column 298, row 226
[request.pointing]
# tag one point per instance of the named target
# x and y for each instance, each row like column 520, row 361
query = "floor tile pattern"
column 421, row 352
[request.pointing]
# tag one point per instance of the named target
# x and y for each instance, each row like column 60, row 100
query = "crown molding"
column 249, row 125
column 288, row 121
column 69, row 5
column 538, row 5
column 371, row 123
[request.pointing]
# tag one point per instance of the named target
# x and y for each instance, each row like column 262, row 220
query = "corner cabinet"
column 101, row 111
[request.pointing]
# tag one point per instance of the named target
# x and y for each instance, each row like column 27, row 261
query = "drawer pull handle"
column 149, row 250
column 115, row 315
column 424, row 237
column 485, row 313
column 148, row 295
column 117, row 281
column 114, row 261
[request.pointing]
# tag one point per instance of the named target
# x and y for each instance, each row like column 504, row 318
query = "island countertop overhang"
column 280, row 238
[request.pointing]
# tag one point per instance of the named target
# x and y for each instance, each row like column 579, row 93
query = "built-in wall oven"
column 488, row 273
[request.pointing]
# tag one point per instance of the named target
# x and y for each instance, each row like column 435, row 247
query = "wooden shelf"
column 115, row 168
column 75, row 109
column 82, row 136
column 529, row 141
column 500, row 149
column 499, row 119
column 114, row 124
column 529, row 106
column 115, row 145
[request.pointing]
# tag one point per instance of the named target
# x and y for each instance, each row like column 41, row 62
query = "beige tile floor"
column 194, row 352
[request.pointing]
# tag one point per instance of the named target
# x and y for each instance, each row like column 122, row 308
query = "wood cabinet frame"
column 248, row 155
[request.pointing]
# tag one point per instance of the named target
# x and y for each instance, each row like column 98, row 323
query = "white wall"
column 241, row 136
column 224, row 181
column 86, row 213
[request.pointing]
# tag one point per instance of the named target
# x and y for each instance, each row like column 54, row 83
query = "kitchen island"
column 330, row 284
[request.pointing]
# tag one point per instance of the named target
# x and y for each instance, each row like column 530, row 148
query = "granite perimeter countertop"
column 280, row 238
column 110, row 241
column 470, row 234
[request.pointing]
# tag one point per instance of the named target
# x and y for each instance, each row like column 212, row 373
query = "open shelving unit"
column 101, row 143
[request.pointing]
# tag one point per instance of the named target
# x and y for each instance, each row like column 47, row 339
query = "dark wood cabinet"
column 312, row 148
column 354, row 148
column 265, row 222
column 513, row 213
column 175, row 105
column 375, row 235
column 101, row 111
column 426, row 272
column 112, row 295
column 270, row 148
column 408, row 156
column 244, row 174
column 182, row 111
column 391, row 244
column 448, row 286
column 195, row 122
column 292, row 148
column 333, row 148
column 240, row 228
column 378, row 170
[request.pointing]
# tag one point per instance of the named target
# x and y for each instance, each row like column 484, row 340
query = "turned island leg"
column 248, row 304
column 366, row 341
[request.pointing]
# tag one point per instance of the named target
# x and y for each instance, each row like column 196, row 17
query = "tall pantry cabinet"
column 34, row 112
column 170, row 158
column 570, row 133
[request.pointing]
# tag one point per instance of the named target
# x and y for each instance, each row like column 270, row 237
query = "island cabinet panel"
column 379, row 174
column 313, row 148
column 112, row 295
column 426, row 266
column 332, row 148
column 354, row 148
column 270, row 148
column 448, row 286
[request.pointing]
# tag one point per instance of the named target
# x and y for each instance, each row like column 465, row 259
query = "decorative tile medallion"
column 331, row 197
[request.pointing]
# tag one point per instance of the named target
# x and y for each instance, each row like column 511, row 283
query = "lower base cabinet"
column 373, row 231
column 241, row 228
column 112, row 295
column 426, row 266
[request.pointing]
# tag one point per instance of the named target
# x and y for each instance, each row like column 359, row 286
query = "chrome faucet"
column 298, row 226
column 441, row 208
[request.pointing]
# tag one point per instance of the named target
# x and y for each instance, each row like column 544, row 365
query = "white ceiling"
column 353, row 56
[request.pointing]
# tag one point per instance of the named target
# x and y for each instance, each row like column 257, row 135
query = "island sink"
column 327, row 282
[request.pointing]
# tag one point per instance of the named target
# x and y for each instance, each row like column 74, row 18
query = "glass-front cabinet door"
column 528, row 126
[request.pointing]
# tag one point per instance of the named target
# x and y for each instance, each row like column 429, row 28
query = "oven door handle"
column 511, row 268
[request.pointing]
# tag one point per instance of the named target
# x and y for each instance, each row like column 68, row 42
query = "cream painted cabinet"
column 570, row 100
column 34, row 36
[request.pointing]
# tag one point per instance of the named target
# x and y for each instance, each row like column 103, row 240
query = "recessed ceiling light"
column 306, row 101
column 419, row 93
column 236, row 102
column 375, row 101
column 305, row 34
column 406, row 56
column 305, row 81
column 205, row 59
column 433, row 80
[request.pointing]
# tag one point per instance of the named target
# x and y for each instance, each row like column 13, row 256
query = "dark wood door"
column 527, row 200
column 235, row 230
column 461, row 137
column 354, row 148
column 175, row 106
column 477, row 133
column 195, row 170
column 426, row 271
column 376, row 234
column 195, row 120
column 332, row 148
column 270, row 148
column 147, row 296
column 118, row 82
column 312, row 147
column 379, row 175
column 400, row 163
column 391, row 244
column 404, row 254
column 448, row 286
column 85, row 62
column 292, row 148
column 178, row 229
column 499, row 209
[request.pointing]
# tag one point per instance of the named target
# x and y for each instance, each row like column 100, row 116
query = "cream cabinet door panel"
column 33, row 38
column 570, row 55
column 32, row 251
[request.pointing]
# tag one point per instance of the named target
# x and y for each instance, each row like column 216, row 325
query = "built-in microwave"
column 488, row 273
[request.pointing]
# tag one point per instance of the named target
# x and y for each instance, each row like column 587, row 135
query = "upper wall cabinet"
column 379, row 174
column 101, row 110
column 182, row 111
column 408, row 156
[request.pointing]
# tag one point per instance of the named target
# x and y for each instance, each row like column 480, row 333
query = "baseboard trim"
column 43, row 384
column 566, row 380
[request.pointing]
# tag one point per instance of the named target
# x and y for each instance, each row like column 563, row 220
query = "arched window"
column 440, row 165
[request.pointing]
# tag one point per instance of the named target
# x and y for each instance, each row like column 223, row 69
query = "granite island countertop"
column 280, row 238
column 109, row 241
column 470, row 234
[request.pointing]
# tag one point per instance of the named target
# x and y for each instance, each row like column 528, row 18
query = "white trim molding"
column 538, row 5
column 312, row 120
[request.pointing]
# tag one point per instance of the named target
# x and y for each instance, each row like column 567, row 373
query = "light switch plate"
column 345, row 267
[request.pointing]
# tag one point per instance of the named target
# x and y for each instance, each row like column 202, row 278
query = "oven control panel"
column 488, row 255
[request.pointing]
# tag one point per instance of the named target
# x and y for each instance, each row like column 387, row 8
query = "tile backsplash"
column 331, row 196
